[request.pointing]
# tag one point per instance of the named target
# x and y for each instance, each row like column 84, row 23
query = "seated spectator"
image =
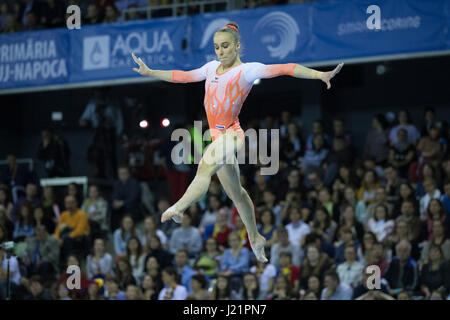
column 96, row 209
column 296, row 228
column 37, row 290
column 409, row 215
column 326, row 201
column 42, row 254
column 124, row 273
column 362, row 289
column 199, row 288
column 41, row 218
column 313, row 289
column 153, row 270
column 377, row 141
column 350, row 199
column 318, row 129
column 404, row 123
column 377, row 257
column 156, row 250
column 284, row 245
column 315, row 156
column 348, row 220
column 73, row 190
column 333, row 289
column 136, row 258
column 315, row 264
column 368, row 187
column 402, row 153
column 402, row 273
column 291, row 271
column 261, row 185
column 267, row 227
column 432, row 147
column 31, row 198
column 402, row 232
column 236, row 259
column 112, row 290
column 124, row 233
column 126, row 197
column 364, row 250
column 435, row 212
column 251, row 289
column 209, row 260
column 221, row 289
column 324, row 225
column 24, row 226
column 406, row 194
column 151, row 230
column 72, row 229
column 93, row 15
column 381, row 225
column 172, row 290
column 428, row 173
column 350, row 271
column 439, row 239
column 49, row 204
column 266, row 274
column 99, row 262
column 270, row 202
column 52, row 14
column 219, row 229
column 431, row 193
column 241, row 230
column 186, row 237
column 380, row 199
column 62, row 292
column 345, row 237
column 149, row 289
column 183, row 269
column 282, row 289
column 111, row 14
column 392, row 185
column 94, row 291
column 431, row 273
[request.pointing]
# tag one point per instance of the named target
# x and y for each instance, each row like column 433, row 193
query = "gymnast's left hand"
column 327, row 76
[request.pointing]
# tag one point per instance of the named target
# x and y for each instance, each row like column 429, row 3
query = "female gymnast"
column 228, row 82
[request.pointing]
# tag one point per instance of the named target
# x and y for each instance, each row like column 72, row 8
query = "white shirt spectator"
column 294, row 249
column 297, row 231
column 425, row 200
column 104, row 266
column 381, row 228
column 350, row 275
column 343, row 292
column 180, row 293
column 269, row 272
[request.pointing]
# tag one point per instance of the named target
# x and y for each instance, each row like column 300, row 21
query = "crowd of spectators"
column 29, row 15
column 328, row 214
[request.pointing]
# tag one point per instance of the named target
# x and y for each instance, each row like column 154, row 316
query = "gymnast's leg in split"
column 220, row 158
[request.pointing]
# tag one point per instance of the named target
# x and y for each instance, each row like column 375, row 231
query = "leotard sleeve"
column 195, row 75
column 256, row 70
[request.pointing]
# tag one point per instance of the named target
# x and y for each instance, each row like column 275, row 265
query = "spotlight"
column 165, row 122
column 143, row 124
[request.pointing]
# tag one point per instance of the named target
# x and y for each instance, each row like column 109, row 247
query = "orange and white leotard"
column 226, row 92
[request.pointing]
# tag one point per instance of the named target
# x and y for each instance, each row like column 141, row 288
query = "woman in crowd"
column 124, row 233
column 136, row 258
column 96, row 209
column 124, row 274
column 209, row 261
column 150, row 230
column 381, row 225
column 199, row 288
column 221, row 289
column 172, row 290
column 431, row 274
column 99, row 262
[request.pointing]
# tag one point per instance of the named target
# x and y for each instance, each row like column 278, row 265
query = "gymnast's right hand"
column 143, row 69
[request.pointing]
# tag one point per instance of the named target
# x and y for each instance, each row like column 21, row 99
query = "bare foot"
column 258, row 248
column 171, row 213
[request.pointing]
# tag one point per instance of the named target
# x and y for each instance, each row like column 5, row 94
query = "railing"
column 28, row 161
column 229, row 5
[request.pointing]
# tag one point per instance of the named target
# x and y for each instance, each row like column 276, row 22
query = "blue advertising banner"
column 302, row 33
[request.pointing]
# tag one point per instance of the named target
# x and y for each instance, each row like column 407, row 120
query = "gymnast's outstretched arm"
column 177, row 76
